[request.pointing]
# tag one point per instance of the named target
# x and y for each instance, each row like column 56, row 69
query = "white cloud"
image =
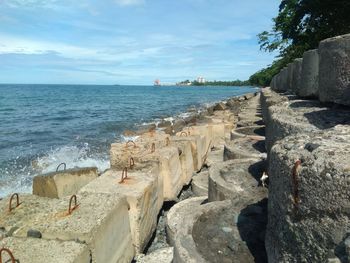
column 30, row 3
column 129, row 2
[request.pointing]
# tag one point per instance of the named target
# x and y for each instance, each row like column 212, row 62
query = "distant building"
column 201, row 80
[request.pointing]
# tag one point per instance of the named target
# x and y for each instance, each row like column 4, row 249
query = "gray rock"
column 334, row 71
column 309, row 75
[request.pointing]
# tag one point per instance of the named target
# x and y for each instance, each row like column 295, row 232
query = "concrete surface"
column 63, row 183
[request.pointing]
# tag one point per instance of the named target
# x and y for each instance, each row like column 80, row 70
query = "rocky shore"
column 119, row 215
column 263, row 177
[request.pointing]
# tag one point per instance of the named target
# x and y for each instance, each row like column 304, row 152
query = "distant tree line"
column 222, row 83
column 299, row 26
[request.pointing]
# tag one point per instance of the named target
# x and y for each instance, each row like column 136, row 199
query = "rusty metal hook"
column 131, row 162
column 183, row 133
column 124, row 175
column 64, row 164
column 9, row 253
column 132, row 142
column 17, row 201
column 70, row 208
column 295, row 182
column 153, row 147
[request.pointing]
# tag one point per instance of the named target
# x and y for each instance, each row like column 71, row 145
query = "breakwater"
column 44, row 125
column 308, row 152
column 111, row 217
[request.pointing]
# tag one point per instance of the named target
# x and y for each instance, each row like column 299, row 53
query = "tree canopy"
column 299, row 26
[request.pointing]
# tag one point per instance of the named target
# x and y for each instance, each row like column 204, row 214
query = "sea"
column 42, row 126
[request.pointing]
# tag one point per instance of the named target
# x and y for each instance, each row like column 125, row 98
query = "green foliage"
column 299, row 26
column 222, row 83
column 214, row 83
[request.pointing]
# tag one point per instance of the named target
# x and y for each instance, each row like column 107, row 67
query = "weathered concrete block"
column 162, row 255
column 186, row 157
column 219, row 106
column 121, row 153
column 180, row 221
column 289, row 77
column 198, row 144
column 334, row 71
column 63, row 183
column 144, row 197
column 309, row 196
column 236, row 180
column 19, row 220
column 282, row 81
column 34, row 250
column 249, row 131
column 309, row 75
column 300, row 116
column 100, row 220
column 244, row 148
column 170, row 170
column 200, row 184
column 296, row 77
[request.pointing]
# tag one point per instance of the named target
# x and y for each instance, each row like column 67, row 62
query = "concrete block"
column 186, row 157
column 237, row 180
column 34, row 250
column 289, row 77
column 180, row 221
column 309, row 75
column 297, row 67
column 170, row 170
column 300, row 116
column 101, row 221
column 244, row 148
column 249, row 131
column 334, row 70
column 308, row 196
column 198, row 147
column 282, row 80
column 63, row 183
column 121, row 153
column 200, row 184
column 21, row 218
column 144, row 197
column 163, row 255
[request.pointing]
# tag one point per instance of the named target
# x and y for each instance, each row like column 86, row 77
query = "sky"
column 132, row 41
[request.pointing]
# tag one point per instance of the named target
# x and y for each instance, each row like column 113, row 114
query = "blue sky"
column 131, row 41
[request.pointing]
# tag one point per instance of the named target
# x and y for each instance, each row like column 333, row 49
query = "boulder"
column 309, row 75
column 334, row 70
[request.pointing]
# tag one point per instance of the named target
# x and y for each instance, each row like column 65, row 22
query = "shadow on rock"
column 251, row 225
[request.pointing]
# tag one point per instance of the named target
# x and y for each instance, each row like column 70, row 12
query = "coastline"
column 82, row 156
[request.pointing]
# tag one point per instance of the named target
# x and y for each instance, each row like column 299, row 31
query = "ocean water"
column 44, row 125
